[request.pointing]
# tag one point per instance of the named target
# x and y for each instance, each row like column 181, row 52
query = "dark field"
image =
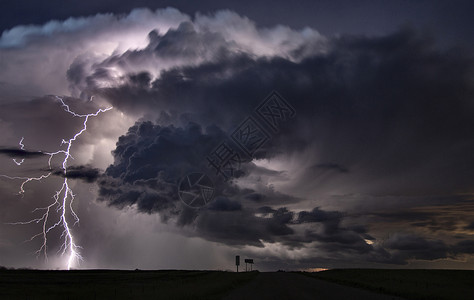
column 171, row 284
column 109, row 284
column 410, row 284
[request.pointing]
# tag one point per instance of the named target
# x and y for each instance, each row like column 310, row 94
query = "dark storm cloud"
column 224, row 204
column 242, row 227
column 464, row 247
column 246, row 226
column 85, row 173
column 150, row 160
column 148, row 149
column 410, row 246
column 317, row 215
column 18, row 153
column 256, row 197
column 332, row 234
column 395, row 98
column 151, row 155
column 330, row 166
column 391, row 109
column 450, row 216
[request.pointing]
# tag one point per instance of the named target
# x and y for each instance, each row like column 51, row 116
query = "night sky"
column 351, row 129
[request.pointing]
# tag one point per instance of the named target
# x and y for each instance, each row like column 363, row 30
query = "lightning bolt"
column 22, row 147
column 63, row 198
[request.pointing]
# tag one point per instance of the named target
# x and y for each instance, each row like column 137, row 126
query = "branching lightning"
column 63, row 198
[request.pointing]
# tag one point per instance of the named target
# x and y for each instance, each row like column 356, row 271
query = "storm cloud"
column 374, row 166
column 86, row 173
column 370, row 95
column 18, row 153
column 394, row 110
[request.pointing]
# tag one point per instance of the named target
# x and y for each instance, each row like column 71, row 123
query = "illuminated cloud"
column 380, row 145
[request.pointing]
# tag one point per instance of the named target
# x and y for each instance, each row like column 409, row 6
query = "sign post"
column 248, row 261
column 237, row 262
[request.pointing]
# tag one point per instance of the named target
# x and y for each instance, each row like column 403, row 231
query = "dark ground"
column 110, row 284
column 296, row 286
column 410, row 284
column 171, row 284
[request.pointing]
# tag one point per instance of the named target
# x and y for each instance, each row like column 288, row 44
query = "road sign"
column 248, row 261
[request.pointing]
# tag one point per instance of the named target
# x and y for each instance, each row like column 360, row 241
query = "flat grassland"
column 409, row 284
column 175, row 284
column 111, row 284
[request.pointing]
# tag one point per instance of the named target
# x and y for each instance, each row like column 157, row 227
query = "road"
column 283, row 285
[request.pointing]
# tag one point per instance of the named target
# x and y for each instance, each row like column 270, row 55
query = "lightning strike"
column 63, row 198
column 22, row 147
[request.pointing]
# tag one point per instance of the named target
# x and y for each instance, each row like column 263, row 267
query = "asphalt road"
column 282, row 285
